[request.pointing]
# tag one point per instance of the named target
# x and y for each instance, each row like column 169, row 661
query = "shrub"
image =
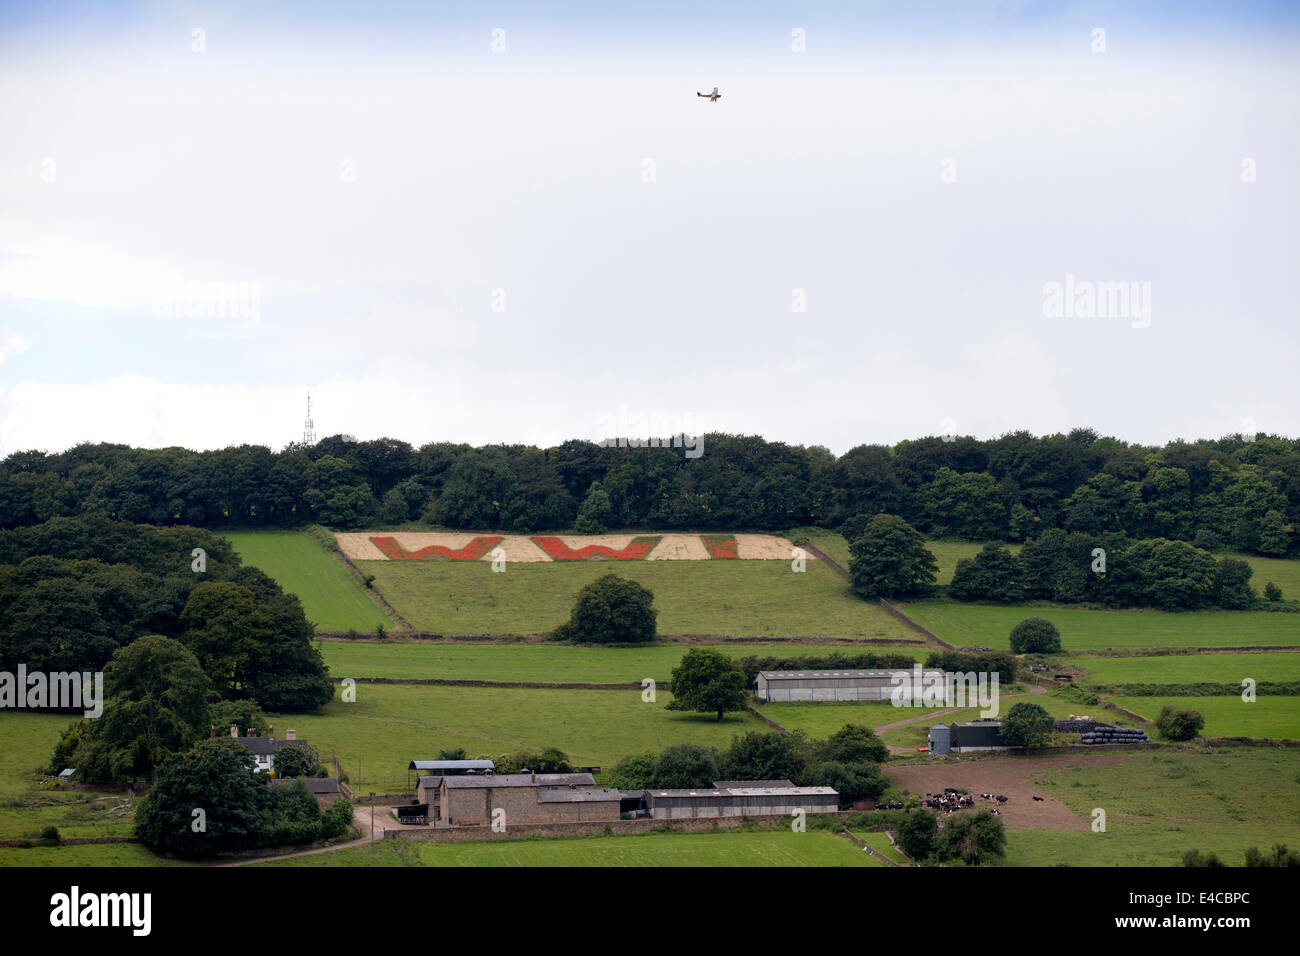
column 1026, row 725
column 1035, row 635
column 611, row 610
column 918, row 834
column 1179, row 724
column 1272, row 592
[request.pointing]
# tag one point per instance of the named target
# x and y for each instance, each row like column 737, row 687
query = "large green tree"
column 157, row 705
column 611, row 610
column 890, row 559
column 708, row 682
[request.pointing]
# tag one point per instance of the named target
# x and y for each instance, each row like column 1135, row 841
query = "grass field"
column 1084, row 629
column 331, row 597
column 91, row 854
column 560, row 663
column 880, row 842
column 916, row 734
column 724, row 598
column 775, row 847
column 1266, row 717
column 1192, row 668
column 29, row 740
column 389, row 726
column 1160, row 804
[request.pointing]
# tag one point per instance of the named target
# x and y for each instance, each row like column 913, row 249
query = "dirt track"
column 1010, row 776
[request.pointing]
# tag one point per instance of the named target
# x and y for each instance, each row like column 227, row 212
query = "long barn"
column 830, row 685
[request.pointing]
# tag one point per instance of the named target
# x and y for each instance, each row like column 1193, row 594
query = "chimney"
column 234, row 730
column 252, row 732
column 291, row 734
column 270, row 731
column 212, row 732
column 532, row 776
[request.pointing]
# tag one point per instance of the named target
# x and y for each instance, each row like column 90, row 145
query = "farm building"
column 528, row 798
column 326, row 790
column 771, row 784
column 264, row 748
column 740, row 802
column 833, row 685
column 437, row 768
column 969, row 736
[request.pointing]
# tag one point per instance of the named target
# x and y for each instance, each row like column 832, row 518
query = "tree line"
column 1240, row 492
column 76, row 592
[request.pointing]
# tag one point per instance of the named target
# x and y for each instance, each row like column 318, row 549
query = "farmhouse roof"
column 484, row 781
column 313, row 784
column 263, row 746
column 451, row 765
column 771, row 784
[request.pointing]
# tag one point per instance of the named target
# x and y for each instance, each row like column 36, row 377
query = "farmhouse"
column 815, row 685
column 740, row 801
column 264, row 748
column 534, row 798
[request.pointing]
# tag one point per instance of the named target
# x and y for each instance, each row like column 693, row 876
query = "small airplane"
column 711, row 97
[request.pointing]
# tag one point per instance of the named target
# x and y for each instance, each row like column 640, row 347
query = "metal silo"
column 940, row 739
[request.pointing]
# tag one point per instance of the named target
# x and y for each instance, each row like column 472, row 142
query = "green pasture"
column 1265, row 717
column 1217, row 668
column 555, row 663
column 390, row 725
column 1162, row 803
column 1084, row 629
column 332, row 598
column 717, row 598
column 775, row 847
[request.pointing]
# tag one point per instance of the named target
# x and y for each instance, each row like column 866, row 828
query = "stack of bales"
column 1106, row 734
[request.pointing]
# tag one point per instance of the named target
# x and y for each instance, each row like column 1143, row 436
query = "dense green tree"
column 1274, row 536
column 594, row 515
column 853, row 781
column 708, row 682
column 157, row 704
column 686, row 767
column 918, row 835
column 764, row 756
column 1175, row 723
column 890, row 559
column 975, row 838
column 611, row 610
column 634, row 772
column 966, row 505
column 853, row 744
column 992, row 575
column 1026, row 725
column 298, row 760
column 1035, row 635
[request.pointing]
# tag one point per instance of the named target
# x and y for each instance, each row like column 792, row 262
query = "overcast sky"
column 443, row 241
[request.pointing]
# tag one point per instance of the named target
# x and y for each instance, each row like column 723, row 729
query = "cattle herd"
column 951, row 800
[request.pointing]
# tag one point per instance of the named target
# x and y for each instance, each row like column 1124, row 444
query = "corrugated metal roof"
column 746, row 792
column 827, row 675
column 482, row 781
column 451, row 765
column 728, row 784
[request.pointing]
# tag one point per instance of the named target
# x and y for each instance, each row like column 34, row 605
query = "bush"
column 1272, row 592
column 611, row 610
column 297, row 760
column 50, row 834
column 1179, row 724
column 1197, row 858
column 337, row 820
column 974, row 837
column 1035, row 635
column 918, row 835
column 1026, row 725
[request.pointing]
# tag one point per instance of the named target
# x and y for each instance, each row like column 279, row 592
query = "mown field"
column 1084, row 629
column 556, row 663
column 1192, row 668
column 1273, row 717
column 1160, row 804
column 776, row 847
column 723, row 598
column 391, row 725
column 333, row 600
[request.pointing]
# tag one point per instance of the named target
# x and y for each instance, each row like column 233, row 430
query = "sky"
column 517, row 222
